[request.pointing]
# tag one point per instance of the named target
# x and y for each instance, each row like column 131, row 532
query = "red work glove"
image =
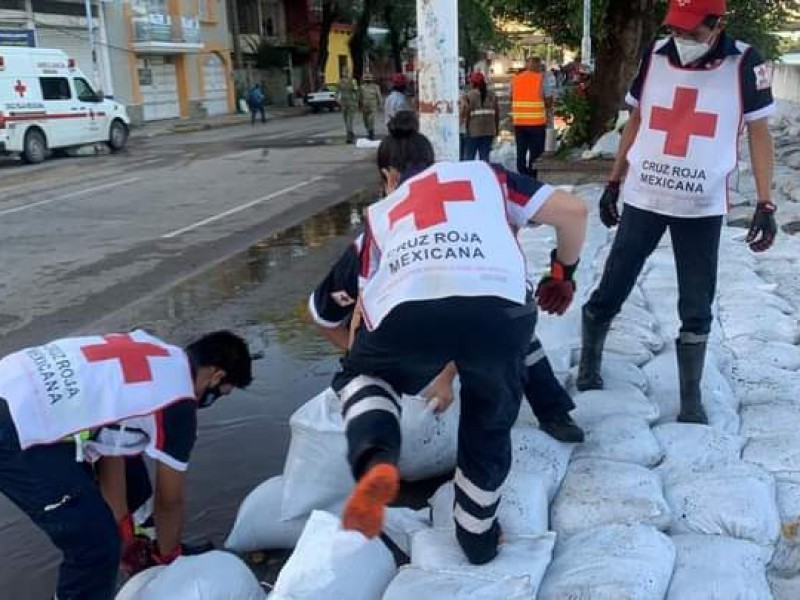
column 126, row 530
column 168, row 558
column 556, row 289
column 137, row 556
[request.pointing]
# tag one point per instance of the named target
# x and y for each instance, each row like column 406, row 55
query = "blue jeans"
column 61, row 498
column 481, row 145
column 695, row 244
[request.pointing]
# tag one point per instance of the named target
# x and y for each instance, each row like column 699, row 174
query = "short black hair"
column 405, row 147
column 224, row 350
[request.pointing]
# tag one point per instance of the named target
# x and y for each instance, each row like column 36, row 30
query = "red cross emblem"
column 426, row 201
column 132, row 355
column 682, row 121
column 20, row 88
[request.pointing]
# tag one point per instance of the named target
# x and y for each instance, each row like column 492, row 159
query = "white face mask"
column 690, row 50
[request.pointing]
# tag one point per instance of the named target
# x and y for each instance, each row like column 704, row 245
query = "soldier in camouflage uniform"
column 371, row 101
column 348, row 100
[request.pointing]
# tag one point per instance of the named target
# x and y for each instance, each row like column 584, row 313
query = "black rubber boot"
column 562, row 428
column 593, row 336
column 691, row 357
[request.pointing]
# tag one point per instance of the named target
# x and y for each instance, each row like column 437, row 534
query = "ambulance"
column 47, row 103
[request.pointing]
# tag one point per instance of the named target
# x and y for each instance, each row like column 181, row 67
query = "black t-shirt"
column 755, row 81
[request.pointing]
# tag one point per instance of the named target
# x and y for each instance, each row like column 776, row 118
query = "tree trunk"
column 395, row 45
column 358, row 40
column 330, row 12
column 631, row 26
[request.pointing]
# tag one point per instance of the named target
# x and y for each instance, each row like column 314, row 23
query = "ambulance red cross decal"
column 133, row 356
column 20, row 88
column 426, row 201
column 682, row 121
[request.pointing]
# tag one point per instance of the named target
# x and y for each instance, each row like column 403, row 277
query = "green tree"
column 621, row 29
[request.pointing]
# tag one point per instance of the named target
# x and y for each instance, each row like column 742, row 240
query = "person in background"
column 255, row 102
column 463, row 117
column 483, row 118
column 695, row 92
column 397, row 100
column 529, row 101
column 347, row 95
column 370, row 101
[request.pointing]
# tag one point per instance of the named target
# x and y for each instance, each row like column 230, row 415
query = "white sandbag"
column 753, row 301
column 533, row 451
column 365, row 144
column 773, row 418
column 637, row 315
column 622, row 438
column 759, row 383
column 786, row 559
column 735, row 500
column 430, row 441
column 134, row 586
column 649, row 338
column 778, row 454
column 628, row 346
column 784, row 588
column 596, row 405
column 607, row 146
column 712, row 567
column 402, row 523
column 523, row 508
column 600, row 492
column 776, row 354
column 316, row 474
column 633, row 562
column 329, row 562
column 438, row 550
column 769, row 325
column 412, row 583
column 258, row 524
column 688, row 446
column 214, row 575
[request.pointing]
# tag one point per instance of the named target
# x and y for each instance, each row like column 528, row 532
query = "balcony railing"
column 164, row 28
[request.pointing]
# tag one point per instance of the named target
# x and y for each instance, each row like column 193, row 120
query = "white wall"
column 786, row 82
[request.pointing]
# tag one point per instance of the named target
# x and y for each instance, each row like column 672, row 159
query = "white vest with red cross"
column 74, row 384
column 442, row 233
column 688, row 139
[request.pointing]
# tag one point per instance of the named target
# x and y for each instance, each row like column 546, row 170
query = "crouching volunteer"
column 694, row 93
column 443, row 279
column 332, row 304
column 97, row 399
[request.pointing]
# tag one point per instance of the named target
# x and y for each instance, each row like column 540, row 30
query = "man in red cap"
column 483, row 119
column 396, row 101
column 694, row 92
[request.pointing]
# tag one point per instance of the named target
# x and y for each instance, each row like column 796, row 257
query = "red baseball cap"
column 690, row 14
column 476, row 78
column 399, row 79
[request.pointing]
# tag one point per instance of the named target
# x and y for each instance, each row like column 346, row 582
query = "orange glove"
column 556, row 289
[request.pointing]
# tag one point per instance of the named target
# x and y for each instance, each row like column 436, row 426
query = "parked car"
column 325, row 98
column 47, row 103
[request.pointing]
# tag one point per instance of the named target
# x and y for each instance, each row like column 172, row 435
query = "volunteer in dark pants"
column 443, row 280
column 97, row 399
column 530, row 99
column 692, row 94
column 333, row 301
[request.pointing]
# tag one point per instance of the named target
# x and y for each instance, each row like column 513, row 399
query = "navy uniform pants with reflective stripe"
column 61, row 498
column 411, row 346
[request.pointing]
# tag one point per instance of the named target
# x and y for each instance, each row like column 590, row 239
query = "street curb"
column 180, row 128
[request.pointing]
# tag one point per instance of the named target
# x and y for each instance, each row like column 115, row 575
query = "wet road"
column 88, row 235
column 152, row 253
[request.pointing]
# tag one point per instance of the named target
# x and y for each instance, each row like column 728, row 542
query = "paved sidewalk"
column 172, row 126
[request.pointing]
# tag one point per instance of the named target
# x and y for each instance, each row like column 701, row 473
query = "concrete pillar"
column 437, row 75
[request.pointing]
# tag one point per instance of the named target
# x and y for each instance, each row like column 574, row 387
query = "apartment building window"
column 207, row 10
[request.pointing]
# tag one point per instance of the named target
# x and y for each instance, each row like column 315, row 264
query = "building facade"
column 162, row 58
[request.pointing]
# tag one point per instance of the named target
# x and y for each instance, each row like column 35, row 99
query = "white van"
column 47, row 103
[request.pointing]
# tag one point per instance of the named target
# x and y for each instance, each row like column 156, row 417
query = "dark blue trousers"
column 482, row 146
column 695, row 244
column 62, row 499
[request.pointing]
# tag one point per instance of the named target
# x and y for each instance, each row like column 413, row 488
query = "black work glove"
column 556, row 289
column 609, row 214
column 763, row 228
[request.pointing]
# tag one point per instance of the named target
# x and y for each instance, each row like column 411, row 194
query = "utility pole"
column 237, row 46
column 586, row 43
column 92, row 45
column 437, row 74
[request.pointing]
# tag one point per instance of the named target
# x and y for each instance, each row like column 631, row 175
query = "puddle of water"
column 261, row 292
